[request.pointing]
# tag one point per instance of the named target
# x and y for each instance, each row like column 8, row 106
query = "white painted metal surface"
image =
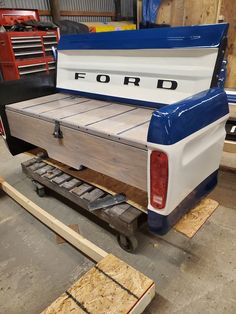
column 191, row 68
column 191, row 160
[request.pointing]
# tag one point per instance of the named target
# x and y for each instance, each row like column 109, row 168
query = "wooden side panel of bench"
column 122, row 162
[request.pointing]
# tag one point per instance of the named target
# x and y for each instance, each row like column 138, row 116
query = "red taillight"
column 159, row 179
column 1, row 128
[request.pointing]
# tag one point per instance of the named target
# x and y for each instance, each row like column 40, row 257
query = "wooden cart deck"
column 119, row 122
column 124, row 218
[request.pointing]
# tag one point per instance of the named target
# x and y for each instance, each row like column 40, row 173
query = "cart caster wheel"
column 41, row 192
column 129, row 244
column 39, row 188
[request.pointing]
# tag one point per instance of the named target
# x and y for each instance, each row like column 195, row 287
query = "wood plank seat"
column 124, row 123
column 107, row 137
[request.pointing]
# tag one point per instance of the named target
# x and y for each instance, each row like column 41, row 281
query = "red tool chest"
column 28, row 52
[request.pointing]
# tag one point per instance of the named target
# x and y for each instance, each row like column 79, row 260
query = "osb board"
column 190, row 223
column 112, row 286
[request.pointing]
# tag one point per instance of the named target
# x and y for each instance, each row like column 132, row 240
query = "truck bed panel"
column 119, row 122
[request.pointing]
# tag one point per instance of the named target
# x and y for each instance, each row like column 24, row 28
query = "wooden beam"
column 78, row 13
column 118, row 10
column 82, row 244
column 55, row 10
column 230, row 147
column 112, row 286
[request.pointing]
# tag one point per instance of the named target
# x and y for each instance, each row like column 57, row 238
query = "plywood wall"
column 192, row 12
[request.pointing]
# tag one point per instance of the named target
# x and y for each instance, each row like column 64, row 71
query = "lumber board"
column 230, row 147
column 125, row 163
column 124, row 122
column 112, row 286
column 40, row 100
column 140, row 131
column 78, row 241
column 79, row 13
column 65, row 112
column 190, row 223
column 165, row 12
column 228, row 159
column 100, row 118
column 96, row 115
column 62, row 103
column 232, row 110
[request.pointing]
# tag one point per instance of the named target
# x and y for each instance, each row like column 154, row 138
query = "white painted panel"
column 191, row 68
column 191, row 161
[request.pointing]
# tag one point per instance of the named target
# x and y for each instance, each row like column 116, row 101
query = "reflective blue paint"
column 161, row 224
column 155, row 38
column 231, row 98
column 173, row 123
column 113, row 99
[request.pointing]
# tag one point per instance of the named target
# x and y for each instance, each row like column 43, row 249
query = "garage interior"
column 192, row 269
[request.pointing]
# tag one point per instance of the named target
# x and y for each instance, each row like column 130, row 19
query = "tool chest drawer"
column 27, row 53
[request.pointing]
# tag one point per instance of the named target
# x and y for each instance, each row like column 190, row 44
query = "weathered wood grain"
column 122, row 162
column 124, row 122
column 96, row 115
column 39, row 101
column 65, row 112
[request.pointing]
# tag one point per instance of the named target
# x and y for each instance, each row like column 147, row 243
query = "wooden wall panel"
column 200, row 12
column 228, row 14
column 165, row 12
column 171, row 12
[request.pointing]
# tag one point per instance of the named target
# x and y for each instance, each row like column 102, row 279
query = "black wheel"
column 41, row 192
column 129, row 244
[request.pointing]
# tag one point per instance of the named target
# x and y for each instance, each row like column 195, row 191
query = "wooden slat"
column 78, row 13
column 137, row 134
column 135, row 197
column 38, row 101
column 122, row 162
column 87, row 118
column 230, row 147
column 112, row 286
column 61, row 113
column 101, row 118
column 228, row 159
column 85, row 246
column 200, row 12
column 47, row 107
column 232, row 110
column 121, row 123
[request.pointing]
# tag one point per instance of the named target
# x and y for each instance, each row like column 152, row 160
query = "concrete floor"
column 197, row 275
